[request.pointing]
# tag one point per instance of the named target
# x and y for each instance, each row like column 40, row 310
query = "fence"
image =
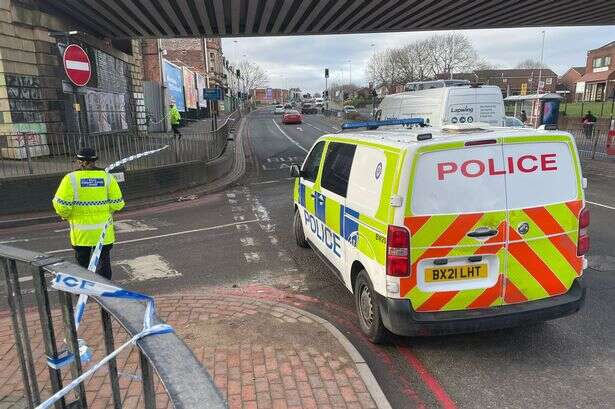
column 29, row 153
column 186, row 382
column 591, row 138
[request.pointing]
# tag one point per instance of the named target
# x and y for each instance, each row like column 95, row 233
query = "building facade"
column 598, row 81
column 269, row 95
column 568, row 82
column 519, row 81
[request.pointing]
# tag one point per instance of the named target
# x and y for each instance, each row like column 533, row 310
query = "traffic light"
column 238, row 73
column 326, row 73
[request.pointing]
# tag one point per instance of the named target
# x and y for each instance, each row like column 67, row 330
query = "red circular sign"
column 77, row 65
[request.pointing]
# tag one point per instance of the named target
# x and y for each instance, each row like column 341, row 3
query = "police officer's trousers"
column 83, row 253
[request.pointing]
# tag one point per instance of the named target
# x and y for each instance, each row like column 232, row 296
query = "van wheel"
column 298, row 227
column 368, row 310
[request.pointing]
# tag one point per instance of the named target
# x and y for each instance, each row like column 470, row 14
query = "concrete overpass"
column 228, row 18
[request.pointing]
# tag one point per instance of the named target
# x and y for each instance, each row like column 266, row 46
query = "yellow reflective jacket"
column 87, row 198
column 175, row 115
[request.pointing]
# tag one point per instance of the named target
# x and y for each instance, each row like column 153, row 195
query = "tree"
column 253, row 75
column 530, row 63
column 423, row 59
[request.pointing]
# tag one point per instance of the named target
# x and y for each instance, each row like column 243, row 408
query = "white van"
column 443, row 105
column 444, row 230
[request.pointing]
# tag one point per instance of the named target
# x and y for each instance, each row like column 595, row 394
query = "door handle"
column 312, row 195
column 483, row 232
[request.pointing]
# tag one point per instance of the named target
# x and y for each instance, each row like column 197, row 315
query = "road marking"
column 601, row 205
column 315, row 127
column 300, row 129
column 252, row 257
column 247, row 241
column 288, row 137
column 14, row 241
column 149, row 267
column 131, row 226
column 160, row 236
column 266, row 182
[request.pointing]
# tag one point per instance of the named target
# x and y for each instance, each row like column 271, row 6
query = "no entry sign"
column 77, row 65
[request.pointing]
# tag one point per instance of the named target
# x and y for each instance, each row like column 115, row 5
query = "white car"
column 279, row 109
column 512, row 122
column 349, row 109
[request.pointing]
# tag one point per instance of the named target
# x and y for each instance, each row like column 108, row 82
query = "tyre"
column 298, row 227
column 368, row 310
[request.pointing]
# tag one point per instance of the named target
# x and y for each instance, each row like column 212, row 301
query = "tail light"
column 583, row 242
column 398, row 252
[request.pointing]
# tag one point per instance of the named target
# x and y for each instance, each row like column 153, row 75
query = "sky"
column 299, row 61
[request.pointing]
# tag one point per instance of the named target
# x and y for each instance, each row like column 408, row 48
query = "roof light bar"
column 386, row 122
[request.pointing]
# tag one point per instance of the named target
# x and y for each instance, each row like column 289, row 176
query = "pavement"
column 238, row 241
column 260, row 353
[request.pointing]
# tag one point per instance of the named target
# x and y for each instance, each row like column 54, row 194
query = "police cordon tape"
column 86, row 288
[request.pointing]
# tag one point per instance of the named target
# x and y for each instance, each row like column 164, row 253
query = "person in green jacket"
column 87, row 198
column 175, row 118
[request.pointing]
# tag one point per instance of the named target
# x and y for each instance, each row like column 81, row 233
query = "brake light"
column 583, row 242
column 398, row 251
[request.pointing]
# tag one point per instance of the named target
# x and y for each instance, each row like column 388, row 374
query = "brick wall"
column 136, row 76
column 151, row 60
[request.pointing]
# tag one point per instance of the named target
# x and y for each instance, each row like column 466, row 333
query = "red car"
column 292, row 117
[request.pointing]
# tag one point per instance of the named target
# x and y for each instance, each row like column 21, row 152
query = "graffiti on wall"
column 106, row 111
column 25, row 98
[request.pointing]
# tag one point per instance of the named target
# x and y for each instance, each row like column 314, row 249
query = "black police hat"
column 88, row 154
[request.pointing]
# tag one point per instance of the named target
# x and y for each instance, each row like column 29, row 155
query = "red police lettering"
column 446, row 167
column 546, row 160
column 521, row 165
column 473, row 168
column 466, row 172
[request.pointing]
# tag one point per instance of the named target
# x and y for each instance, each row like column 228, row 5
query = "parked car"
column 278, row 110
column 292, row 116
column 307, row 109
column 348, row 109
column 511, row 121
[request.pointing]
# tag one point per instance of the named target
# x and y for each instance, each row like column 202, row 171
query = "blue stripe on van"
column 302, row 194
column 351, row 228
column 319, row 205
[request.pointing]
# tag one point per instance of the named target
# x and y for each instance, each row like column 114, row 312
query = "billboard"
column 200, row 86
column 174, row 80
column 189, row 88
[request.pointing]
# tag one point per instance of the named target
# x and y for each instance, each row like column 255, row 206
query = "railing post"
column 20, row 329
column 49, row 339
column 73, row 343
column 147, row 376
column 26, row 144
column 109, row 348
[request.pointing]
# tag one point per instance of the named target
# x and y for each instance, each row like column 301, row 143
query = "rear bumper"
column 399, row 317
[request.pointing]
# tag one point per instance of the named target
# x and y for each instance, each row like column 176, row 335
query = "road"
column 240, row 240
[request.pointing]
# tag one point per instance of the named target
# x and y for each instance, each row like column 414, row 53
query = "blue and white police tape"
column 77, row 285
column 133, row 157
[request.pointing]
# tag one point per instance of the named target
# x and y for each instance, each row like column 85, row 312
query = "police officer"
column 175, row 119
column 87, row 198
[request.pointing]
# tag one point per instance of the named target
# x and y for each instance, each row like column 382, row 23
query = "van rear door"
column 469, row 104
column 457, row 218
column 544, row 198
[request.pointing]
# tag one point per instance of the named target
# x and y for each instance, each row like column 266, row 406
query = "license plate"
column 456, row 273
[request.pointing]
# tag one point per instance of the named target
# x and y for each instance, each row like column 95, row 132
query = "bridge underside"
column 228, row 18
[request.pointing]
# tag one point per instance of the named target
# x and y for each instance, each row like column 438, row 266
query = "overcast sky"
column 300, row 61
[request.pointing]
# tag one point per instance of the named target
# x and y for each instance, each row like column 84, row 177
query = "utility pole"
column 542, row 51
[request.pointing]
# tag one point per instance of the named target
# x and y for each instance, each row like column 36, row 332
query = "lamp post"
column 542, row 51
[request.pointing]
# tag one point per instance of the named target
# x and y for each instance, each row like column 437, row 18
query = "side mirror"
column 295, row 172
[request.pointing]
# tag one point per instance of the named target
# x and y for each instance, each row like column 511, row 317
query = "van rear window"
column 493, row 177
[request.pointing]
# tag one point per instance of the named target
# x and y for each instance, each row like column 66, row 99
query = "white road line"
column 288, row 137
column 601, row 205
column 330, row 126
column 160, row 236
column 266, row 182
column 315, row 127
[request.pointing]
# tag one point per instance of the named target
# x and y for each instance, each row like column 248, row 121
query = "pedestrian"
column 523, row 116
column 87, row 198
column 175, row 118
column 588, row 121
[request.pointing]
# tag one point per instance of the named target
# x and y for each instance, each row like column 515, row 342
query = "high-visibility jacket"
column 175, row 116
column 87, row 199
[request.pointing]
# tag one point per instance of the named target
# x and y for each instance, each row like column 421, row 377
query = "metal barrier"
column 591, row 141
column 28, row 153
column 186, row 382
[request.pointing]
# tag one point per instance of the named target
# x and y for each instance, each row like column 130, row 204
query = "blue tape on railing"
column 386, row 122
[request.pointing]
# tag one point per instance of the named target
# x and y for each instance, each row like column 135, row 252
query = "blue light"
column 386, row 122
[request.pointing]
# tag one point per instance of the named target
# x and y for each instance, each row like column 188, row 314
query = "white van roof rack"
column 466, row 127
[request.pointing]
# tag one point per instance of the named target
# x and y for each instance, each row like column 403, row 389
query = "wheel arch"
column 355, row 269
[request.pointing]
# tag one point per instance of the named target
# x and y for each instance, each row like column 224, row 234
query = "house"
column 518, row 81
column 568, row 82
column 598, row 81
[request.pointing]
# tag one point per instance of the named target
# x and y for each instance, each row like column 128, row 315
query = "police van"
column 445, row 102
column 447, row 230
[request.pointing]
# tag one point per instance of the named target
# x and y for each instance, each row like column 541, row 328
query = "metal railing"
column 186, row 382
column 29, row 153
column 591, row 140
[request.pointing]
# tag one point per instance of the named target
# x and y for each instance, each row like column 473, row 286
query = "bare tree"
column 419, row 60
column 253, row 75
column 530, row 63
